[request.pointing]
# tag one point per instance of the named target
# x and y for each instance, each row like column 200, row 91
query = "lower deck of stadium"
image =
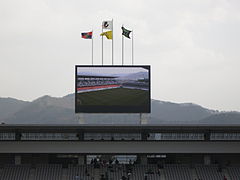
column 113, row 152
column 116, row 167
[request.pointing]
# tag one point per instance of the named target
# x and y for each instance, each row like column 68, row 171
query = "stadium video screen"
column 112, row 89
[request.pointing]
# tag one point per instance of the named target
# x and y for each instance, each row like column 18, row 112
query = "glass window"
column 7, row 136
column 176, row 136
column 49, row 136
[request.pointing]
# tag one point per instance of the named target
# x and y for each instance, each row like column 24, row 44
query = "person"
column 77, row 177
column 145, row 176
column 104, row 162
column 149, row 171
column 95, row 161
column 219, row 168
column 102, row 177
column 224, row 178
column 124, row 178
column 106, row 175
column 128, row 175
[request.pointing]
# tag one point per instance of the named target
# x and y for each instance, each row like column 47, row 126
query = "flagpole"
column 132, row 48
column 92, row 47
column 102, row 45
column 112, row 42
column 122, row 49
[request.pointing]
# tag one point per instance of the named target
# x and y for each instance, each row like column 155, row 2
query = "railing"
column 97, row 136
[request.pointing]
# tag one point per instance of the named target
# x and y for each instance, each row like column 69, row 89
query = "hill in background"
column 52, row 110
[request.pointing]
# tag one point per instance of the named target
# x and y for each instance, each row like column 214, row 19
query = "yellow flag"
column 108, row 34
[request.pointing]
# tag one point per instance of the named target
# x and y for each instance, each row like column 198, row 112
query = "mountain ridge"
column 60, row 110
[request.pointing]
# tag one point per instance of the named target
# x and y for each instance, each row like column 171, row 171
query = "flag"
column 107, row 25
column 126, row 32
column 108, row 34
column 87, row 35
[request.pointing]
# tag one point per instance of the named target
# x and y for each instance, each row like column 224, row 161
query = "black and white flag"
column 107, row 25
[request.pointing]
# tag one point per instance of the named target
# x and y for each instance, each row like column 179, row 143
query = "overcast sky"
column 193, row 46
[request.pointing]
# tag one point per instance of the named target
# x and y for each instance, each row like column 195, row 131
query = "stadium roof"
column 121, row 128
column 96, row 76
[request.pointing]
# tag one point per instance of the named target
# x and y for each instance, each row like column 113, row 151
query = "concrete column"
column 207, row 159
column 17, row 159
column 81, row 119
column 81, row 159
column 143, row 159
column 144, row 118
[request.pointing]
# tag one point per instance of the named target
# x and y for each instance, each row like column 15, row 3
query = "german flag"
column 87, row 35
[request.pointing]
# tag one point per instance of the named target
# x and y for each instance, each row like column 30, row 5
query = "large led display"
column 112, row 89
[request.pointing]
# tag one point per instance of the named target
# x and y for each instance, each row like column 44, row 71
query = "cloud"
column 188, row 43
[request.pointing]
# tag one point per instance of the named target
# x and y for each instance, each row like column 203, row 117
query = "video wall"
column 112, row 89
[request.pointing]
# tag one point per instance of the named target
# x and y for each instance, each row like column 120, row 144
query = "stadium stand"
column 13, row 172
column 177, row 171
column 85, row 83
column 234, row 172
column 209, row 172
column 136, row 85
column 116, row 172
column 48, row 172
column 149, row 171
column 156, row 152
column 85, row 172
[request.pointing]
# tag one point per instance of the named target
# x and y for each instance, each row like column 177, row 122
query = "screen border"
column 114, row 109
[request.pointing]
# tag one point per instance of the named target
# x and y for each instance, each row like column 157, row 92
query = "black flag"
column 126, row 32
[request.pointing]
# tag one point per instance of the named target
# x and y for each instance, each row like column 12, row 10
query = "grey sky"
column 192, row 46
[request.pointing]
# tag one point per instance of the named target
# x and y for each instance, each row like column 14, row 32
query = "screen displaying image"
column 112, row 89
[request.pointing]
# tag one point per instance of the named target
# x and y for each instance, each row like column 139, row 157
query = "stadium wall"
column 129, row 147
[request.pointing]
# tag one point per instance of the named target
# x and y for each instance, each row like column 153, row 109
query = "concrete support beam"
column 121, row 147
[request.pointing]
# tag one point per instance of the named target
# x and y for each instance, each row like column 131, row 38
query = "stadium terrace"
column 119, row 151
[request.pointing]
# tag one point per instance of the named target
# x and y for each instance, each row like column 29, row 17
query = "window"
column 49, row 136
column 7, row 136
column 176, row 136
column 112, row 136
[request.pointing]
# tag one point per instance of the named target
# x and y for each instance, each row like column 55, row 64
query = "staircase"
column 96, row 174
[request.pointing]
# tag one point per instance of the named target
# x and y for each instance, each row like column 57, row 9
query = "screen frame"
column 114, row 109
